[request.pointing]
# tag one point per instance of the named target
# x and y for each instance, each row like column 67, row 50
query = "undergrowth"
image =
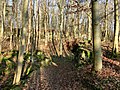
column 8, row 67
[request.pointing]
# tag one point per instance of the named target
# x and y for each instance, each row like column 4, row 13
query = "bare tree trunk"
column 29, row 26
column 106, row 21
column 78, row 20
column 39, row 23
column 4, row 12
column 61, row 9
column 45, row 23
column 22, row 43
column 96, row 36
column 1, row 25
column 37, row 26
column 116, row 28
column 11, row 36
column 89, row 27
column 61, row 31
column 15, row 31
column 33, row 33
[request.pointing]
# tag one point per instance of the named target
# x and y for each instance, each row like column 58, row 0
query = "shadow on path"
column 60, row 77
column 65, row 76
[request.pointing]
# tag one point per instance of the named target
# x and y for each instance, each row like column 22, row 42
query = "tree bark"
column 22, row 43
column 11, row 36
column 1, row 24
column 106, row 21
column 96, row 36
column 116, row 28
column 89, row 27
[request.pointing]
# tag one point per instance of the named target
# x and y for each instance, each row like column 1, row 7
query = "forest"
column 59, row 45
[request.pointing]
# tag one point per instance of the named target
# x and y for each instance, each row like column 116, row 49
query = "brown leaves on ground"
column 66, row 77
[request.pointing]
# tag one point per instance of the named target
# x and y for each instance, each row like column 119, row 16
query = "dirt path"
column 61, row 77
column 66, row 77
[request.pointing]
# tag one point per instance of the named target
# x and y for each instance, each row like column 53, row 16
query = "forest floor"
column 65, row 76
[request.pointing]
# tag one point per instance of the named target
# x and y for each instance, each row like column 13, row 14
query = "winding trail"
column 61, row 77
column 65, row 76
